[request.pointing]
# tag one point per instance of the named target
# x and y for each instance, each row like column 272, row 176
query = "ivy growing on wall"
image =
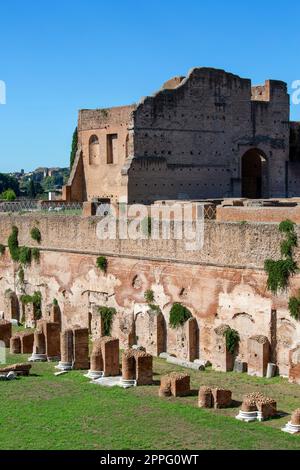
column 36, row 234
column 13, row 244
column 232, row 339
column 279, row 271
column 149, row 296
column 102, row 263
column 179, row 315
column 107, row 314
column 36, row 300
column 294, row 307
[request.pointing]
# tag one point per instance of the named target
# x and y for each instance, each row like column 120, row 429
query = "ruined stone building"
column 208, row 135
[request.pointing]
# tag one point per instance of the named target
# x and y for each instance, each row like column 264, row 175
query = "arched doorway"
column 254, row 174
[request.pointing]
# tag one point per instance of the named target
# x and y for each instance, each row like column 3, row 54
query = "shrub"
column 287, row 226
column 179, row 315
column 55, row 302
column 21, row 275
column 232, row 339
column 24, row 255
column 9, row 195
column 2, row 249
column 36, row 234
column 294, row 307
column 149, row 296
column 279, row 273
column 102, row 263
column 35, row 253
column 154, row 308
column 13, row 244
column 107, row 314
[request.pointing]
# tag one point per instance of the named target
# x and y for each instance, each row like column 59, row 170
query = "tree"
column 8, row 195
column 9, row 182
column 74, row 148
column 31, row 191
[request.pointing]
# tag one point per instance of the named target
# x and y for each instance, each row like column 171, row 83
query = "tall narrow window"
column 112, row 150
column 94, row 151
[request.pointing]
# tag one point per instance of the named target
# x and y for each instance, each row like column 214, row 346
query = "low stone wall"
column 257, row 214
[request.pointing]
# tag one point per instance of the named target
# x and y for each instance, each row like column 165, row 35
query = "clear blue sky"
column 62, row 55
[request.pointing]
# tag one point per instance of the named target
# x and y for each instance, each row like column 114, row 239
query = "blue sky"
column 62, row 55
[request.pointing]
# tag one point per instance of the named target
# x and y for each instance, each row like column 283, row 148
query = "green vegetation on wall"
column 294, row 307
column 13, row 244
column 102, row 263
column 107, row 314
column 149, row 296
column 179, row 315
column 36, row 300
column 279, row 271
column 232, row 339
column 36, row 234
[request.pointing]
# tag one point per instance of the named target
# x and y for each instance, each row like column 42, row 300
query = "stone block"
column 221, row 398
column 258, row 355
column 222, row 359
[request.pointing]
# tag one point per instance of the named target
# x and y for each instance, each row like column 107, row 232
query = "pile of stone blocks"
column 74, row 346
column 174, row 384
column 104, row 358
column 18, row 369
column 137, row 367
column 5, row 332
column 214, row 398
column 22, row 343
column 293, row 426
column 256, row 406
column 222, row 359
column 258, row 355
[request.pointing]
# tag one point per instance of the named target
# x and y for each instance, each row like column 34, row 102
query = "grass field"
column 67, row 412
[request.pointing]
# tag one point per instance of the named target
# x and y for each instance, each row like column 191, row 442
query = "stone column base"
column 37, row 358
column 64, row 366
column 128, row 383
column 247, row 416
column 94, row 374
column 291, row 428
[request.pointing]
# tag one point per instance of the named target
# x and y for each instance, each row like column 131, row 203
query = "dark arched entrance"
column 254, row 165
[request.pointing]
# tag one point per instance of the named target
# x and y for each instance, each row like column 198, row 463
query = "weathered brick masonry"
column 222, row 284
column 209, row 134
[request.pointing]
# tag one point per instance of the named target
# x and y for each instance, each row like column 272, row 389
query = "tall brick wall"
column 186, row 141
column 222, row 284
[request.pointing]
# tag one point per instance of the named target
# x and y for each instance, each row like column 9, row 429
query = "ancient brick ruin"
column 210, row 134
column 74, row 349
column 137, row 367
column 214, row 397
column 104, row 360
column 175, row 384
column 5, row 332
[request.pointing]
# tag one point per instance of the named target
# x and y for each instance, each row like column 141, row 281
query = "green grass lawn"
column 67, row 412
